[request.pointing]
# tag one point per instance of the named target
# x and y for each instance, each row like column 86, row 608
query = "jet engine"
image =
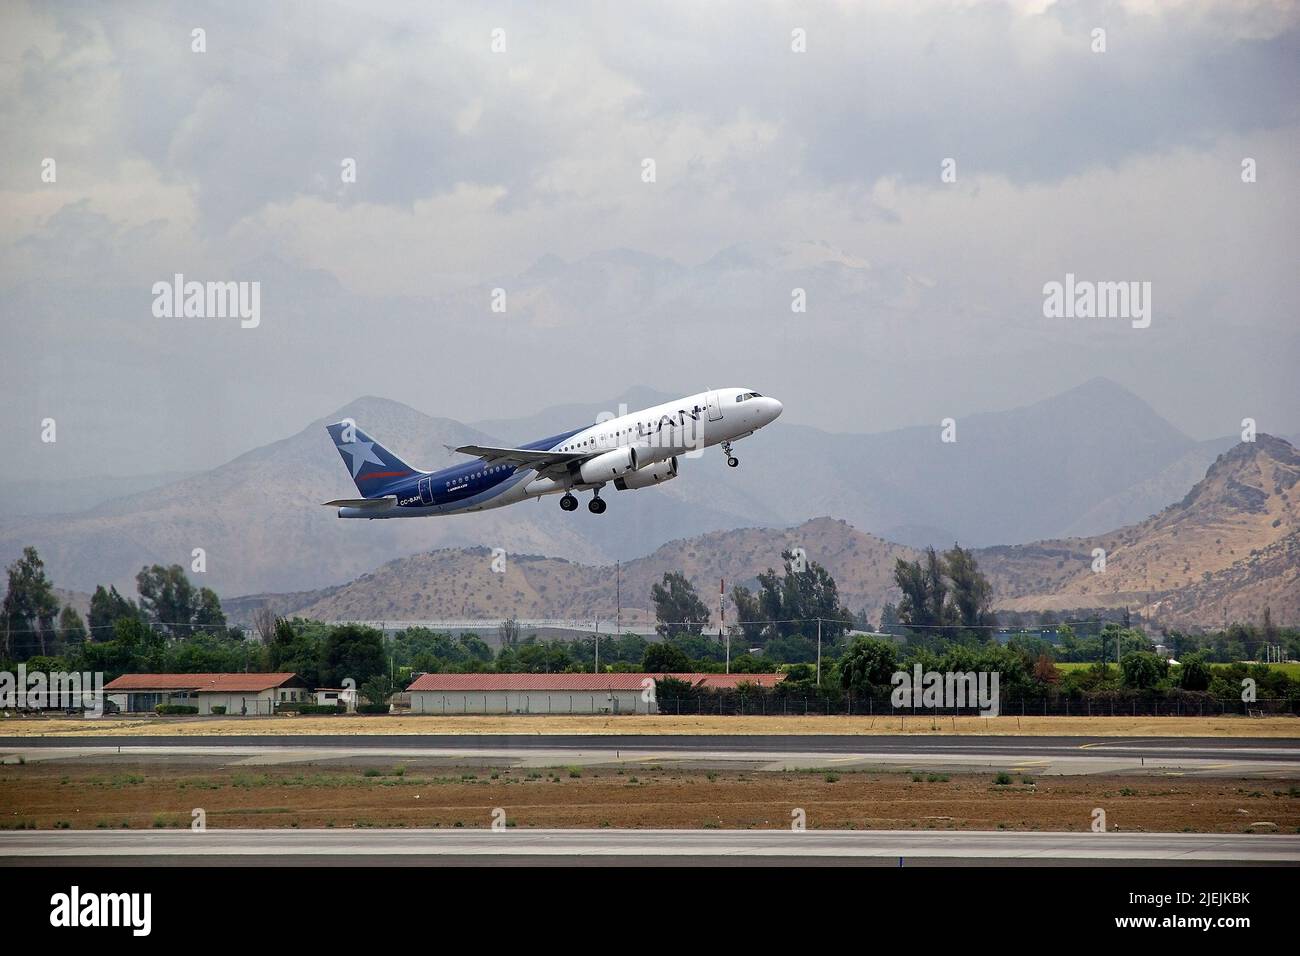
column 651, row 474
column 609, row 466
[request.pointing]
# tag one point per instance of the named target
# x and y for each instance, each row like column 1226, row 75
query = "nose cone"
column 773, row 409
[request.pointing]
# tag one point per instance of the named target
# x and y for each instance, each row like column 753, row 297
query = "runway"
column 818, row 743
column 641, row 847
column 1204, row 756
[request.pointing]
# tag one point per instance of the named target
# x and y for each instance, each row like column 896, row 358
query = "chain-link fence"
column 773, row 705
column 736, row 704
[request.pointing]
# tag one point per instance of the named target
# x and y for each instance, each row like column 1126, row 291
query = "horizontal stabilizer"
column 376, row 503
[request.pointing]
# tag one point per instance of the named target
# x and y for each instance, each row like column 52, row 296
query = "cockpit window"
column 743, row 396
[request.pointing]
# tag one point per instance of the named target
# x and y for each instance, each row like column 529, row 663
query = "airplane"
column 637, row 450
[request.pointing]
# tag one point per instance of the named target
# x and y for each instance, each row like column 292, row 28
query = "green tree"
column 29, row 608
column 167, row 598
column 627, row 649
column 971, row 592
column 665, row 658
column 378, row 689
column 105, row 608
column 171, row 603
column 144, row 644
column 208, row 615
column 474, row 647
column 915, row 609
column 678, row 608
column 749, row 614
column 354, row 651
column 792, row 603
column 536, row 657
column 939, row 611
column 1142, row 669
column 72, row 630
column 794, row 649
column 869, row 665
column 943, row 593
column 1194, row 673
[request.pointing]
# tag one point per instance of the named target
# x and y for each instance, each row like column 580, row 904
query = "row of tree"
column 943, row 618
column 35, row 625
column 799, row 602
column 869, row 664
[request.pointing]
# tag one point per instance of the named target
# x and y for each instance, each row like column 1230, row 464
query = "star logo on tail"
column 360, row 452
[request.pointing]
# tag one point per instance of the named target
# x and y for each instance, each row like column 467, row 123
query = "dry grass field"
column 163, row 795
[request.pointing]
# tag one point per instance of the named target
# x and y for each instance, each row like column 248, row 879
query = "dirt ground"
column 643, row 724
column 152, row 795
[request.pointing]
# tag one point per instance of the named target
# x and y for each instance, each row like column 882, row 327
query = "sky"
column 502, row 158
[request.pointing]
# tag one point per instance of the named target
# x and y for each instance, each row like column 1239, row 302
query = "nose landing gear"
column 732, row 460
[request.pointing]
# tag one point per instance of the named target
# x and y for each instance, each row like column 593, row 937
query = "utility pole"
column 819, row 652
column 618, row 599
column 597, row 670
column 722, row 614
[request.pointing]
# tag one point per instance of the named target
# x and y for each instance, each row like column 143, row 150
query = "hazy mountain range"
column 1090, row 459
column 1228, row 549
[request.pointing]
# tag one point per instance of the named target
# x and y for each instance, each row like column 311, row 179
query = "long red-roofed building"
column 559, row 693
column 491, row 693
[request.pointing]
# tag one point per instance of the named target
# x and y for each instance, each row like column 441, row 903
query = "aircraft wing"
column 528, row 457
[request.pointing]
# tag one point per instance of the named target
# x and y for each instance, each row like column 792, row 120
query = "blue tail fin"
column 374, row 468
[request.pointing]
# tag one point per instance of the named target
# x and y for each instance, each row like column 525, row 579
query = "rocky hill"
column 461, row 583
column 1230, row 546
column 1229, row 543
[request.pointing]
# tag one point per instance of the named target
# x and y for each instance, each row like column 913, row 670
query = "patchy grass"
column 40, row 796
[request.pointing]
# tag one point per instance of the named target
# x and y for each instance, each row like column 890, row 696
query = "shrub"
column 372, row 708
column 171, row 709
column 219, row 708
column 1194, row 673
column 315, row 709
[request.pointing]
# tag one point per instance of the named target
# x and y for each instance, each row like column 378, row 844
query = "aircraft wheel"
column 733, row 461
column 568, row 503
column 596, row 506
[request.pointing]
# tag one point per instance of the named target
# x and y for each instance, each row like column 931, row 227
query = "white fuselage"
column 677, row 429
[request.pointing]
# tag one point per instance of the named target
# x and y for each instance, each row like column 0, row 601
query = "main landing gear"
column 732, row 460
column 596, row 505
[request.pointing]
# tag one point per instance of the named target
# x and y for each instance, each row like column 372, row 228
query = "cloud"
column 522, row 170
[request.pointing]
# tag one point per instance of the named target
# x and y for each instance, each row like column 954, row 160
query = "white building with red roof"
column 559, row 693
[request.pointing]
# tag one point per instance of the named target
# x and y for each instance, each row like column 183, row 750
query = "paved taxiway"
column 1200, row 756
column 663, row 847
